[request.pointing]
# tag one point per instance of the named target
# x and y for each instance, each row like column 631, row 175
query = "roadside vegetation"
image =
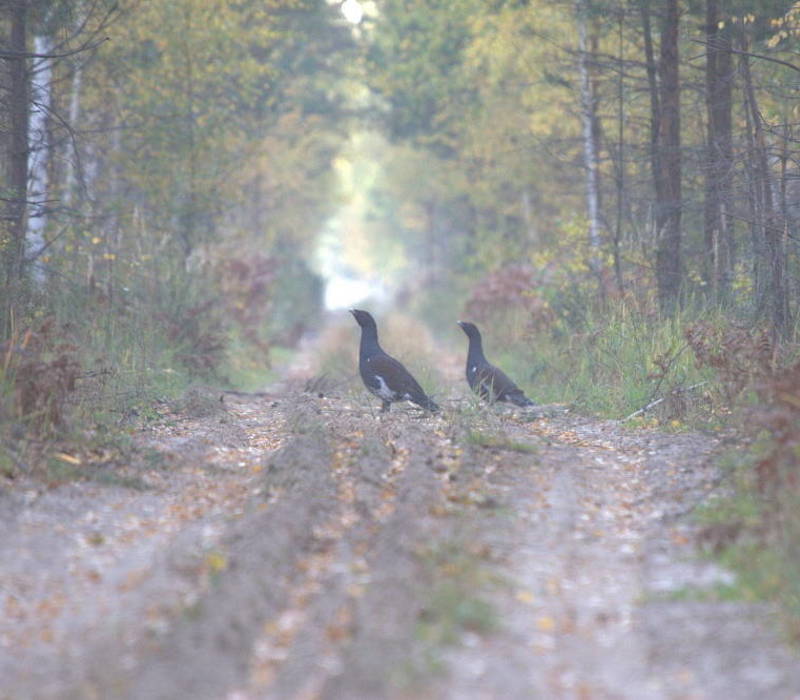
column 158, row 230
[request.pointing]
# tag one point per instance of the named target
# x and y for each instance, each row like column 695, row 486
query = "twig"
column 37, row 254
column 751, row 55
column 11, row 55
column 658, row 401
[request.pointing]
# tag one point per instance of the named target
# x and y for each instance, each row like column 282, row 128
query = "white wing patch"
column 384, row 391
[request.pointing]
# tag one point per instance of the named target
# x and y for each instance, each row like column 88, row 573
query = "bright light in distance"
column 344, row 292
column 352, row 11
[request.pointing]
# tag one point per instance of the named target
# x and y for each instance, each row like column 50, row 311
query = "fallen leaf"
column 545, row 624
column 525, row 597
column 64, row 457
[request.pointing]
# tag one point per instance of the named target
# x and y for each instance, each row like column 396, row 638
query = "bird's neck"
column 369, row 342
column 475, row 353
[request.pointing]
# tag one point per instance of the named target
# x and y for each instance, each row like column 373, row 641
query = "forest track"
column 298, row 546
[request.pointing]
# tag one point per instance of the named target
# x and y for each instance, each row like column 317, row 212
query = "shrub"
column 40, row 370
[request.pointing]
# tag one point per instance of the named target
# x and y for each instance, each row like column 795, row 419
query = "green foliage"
column 481, row 104
column 499, row 442
column 610, row 363
column 754, row 526
column 70, row 382
column 197, row 86
column 413, row 63
column 757, row 537
column 186, row 199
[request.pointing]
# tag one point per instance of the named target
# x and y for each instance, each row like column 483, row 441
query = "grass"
column 134, row 341
column 611, row 365
column 716, row 593
column 767, row 566
column 499, row 442
column 450, row 613
column 248, row 369
column 121, row 365
column 454, row 603
column 757, row 537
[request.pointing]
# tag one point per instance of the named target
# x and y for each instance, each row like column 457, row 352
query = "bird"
column 382, row 374
column 488, row 381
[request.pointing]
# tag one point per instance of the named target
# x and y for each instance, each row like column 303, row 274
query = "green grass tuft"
column 499, row 442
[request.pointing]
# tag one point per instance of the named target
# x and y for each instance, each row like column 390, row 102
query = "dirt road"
column 303, row 546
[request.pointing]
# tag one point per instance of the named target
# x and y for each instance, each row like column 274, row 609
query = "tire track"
column 361, row 559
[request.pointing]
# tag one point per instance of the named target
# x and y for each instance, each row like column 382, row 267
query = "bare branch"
column 24, row 54
column 752, row 55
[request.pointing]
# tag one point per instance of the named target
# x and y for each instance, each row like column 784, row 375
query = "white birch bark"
column 589, row 144
column 39, row 149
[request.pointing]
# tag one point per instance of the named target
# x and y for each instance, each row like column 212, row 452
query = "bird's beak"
column 460, row 323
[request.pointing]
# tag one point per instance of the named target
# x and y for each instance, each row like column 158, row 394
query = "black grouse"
column 382, row 374
column 484, row 378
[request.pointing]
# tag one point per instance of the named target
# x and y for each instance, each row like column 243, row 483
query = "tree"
column 717, row 224
column 588, row 117
column 767, row 228
column 13, row 244
column 32, row 57
column 667, row 138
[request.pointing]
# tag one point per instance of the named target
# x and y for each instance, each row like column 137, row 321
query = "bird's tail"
column 521, row 400
column 427, row 403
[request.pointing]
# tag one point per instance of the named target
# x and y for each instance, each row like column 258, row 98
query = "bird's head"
column 363, row 318
column 470, row 329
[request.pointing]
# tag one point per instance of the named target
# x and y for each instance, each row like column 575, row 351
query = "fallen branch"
column 658, row 401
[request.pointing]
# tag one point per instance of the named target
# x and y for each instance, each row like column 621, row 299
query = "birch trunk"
column 39, row 158
column 589, row 142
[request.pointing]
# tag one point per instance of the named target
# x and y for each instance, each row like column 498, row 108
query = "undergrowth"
column 755, row 527
column 85, row 357
column 70, row 386
column 612, row 364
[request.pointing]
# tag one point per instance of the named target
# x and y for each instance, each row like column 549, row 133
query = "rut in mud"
column 303, row 546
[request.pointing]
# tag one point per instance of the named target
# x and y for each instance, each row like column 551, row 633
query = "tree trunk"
column 39, row 157
column 589, row 145
column 72, row 155
column 655, row 103
column 719, row 158
column 188, row 229
column 17, row 173
column 668, row 200
column 724, row 130
column 773, row 296
column 755, row 216
column 620, row 169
